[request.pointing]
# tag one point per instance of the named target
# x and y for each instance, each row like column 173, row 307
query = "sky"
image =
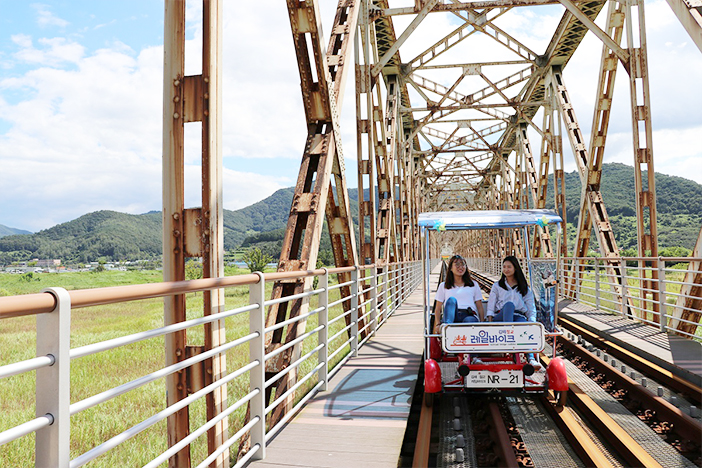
column 81, row 102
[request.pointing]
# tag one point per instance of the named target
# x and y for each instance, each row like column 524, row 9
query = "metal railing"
column 652, row 290
column 375, row 294
column 646, row 289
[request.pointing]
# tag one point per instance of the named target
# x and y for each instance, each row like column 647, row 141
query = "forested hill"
column 8, row 231
column 679, row 205
column 110, row 235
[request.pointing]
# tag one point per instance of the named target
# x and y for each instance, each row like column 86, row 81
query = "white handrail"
column 386, row 289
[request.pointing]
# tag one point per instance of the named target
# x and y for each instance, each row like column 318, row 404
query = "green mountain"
column 8, row 231
column 679, row 205
column 109, row 235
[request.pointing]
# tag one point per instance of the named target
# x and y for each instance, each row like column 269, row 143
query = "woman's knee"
column 471, row 319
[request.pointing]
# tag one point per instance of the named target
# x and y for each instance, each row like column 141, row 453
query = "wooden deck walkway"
column 361, row 420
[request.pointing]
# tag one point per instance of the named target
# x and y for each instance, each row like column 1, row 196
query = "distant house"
column 48, row 263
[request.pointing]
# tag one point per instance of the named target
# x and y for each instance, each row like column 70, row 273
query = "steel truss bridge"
column 436, row 131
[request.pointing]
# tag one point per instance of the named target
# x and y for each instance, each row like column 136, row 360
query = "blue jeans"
column 453, row 315
column 507, row 315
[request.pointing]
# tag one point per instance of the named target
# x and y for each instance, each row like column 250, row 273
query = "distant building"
column 48, row 263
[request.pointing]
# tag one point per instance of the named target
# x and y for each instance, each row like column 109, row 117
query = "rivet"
column 176, row 216
column 176, row 115
column 176, row 233
column 176, row 82
column 176, row 99
column 179, row 352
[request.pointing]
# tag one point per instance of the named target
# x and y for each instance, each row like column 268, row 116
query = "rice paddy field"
column 94, row 374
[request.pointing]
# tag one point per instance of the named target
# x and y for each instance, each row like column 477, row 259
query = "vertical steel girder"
column 173, row 207
column 365, row 45
column 640, row 95
column 321, row 185
column 385, row 137
column 542, row 239
column 195, row 232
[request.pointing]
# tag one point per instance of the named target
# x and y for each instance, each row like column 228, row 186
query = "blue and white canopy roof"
column 458, row 220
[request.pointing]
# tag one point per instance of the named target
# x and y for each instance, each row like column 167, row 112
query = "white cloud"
column 85, row 132
column 47, row 18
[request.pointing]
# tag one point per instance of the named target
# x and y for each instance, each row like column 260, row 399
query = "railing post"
column 374, row 298
column 597, row 283
column 661, row 294
column 257, row 376
column 622, row 274
column 578, row 277
column 323, row 334
column 53, row 383
column 386, row 278
column 354, row 312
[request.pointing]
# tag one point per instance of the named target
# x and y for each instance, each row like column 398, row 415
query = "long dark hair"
column 522, row 285
column 450, row 280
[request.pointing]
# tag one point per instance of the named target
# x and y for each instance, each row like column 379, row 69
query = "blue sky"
column 81, row 100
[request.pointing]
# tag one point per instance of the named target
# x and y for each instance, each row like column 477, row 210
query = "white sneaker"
column 478, row 362
column 535, row 363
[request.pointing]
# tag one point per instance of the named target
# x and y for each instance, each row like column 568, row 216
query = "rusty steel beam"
column 194, row 232
column 593, row 210
column 646, row 212
column 321, row 187
column 542, row 241
column 173, row 206
column 689, row 303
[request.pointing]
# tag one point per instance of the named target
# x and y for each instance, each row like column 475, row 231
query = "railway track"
column 610, row 420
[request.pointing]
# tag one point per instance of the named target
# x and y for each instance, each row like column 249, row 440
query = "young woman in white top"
column 511, row 299
column 458, row 299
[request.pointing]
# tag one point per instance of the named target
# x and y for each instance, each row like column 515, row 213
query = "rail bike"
column 488, row 357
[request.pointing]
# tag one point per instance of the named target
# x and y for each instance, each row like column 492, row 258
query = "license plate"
column 501, row 379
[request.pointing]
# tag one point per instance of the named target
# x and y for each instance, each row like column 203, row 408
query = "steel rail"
column 639, row 363
column 503, row 443
column 579, row 440
column 683, row 424
column 620, row 439
column 630, row 450
column 423, row 443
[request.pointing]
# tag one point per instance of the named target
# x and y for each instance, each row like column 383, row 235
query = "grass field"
column 94, row 374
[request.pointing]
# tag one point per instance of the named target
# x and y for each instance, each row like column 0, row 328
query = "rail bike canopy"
column 486, row 219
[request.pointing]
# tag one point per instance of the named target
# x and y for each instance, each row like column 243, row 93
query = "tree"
column 193, row 270
column 256, row 260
